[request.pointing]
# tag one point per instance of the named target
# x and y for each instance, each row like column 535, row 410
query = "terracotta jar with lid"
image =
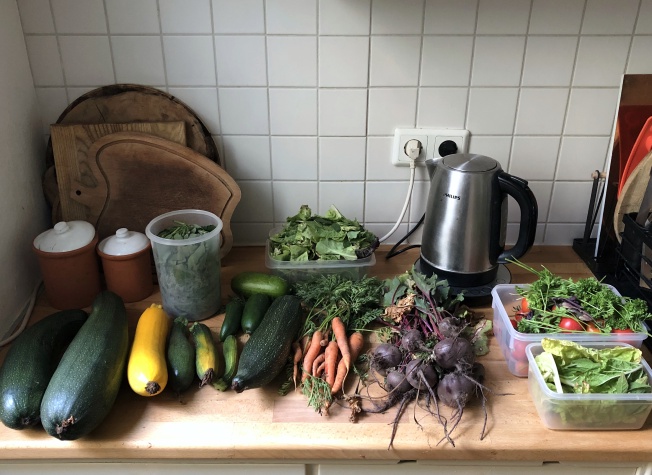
column 69, row 265
column 127, row 264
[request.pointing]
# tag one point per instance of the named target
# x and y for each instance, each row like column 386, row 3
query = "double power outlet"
column 435, row 143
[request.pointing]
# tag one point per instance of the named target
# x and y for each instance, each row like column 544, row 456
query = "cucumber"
column 180, row 356
column 232, row 318
column 207, row 361
column 29, row 364
column 265, row 353
column 254, row 310
column 230, row 350
column 248, row 283
column 84, row 386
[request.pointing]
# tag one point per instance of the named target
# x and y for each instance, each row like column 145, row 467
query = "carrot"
column 311, row 353
column 356, row 341
column 298, row 354
column 339, row 330
column 320, row 369
column 321, row 357
column 331, row 353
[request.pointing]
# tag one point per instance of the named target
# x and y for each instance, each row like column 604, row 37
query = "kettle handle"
column 518, row 189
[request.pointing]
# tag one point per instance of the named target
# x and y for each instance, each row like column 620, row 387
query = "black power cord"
column 394, row 252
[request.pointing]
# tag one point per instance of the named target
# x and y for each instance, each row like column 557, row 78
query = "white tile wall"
column 303, row 96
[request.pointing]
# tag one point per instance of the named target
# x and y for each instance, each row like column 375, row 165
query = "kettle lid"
column 466, row 162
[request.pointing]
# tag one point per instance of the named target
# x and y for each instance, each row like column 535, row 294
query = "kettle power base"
column 481, row 294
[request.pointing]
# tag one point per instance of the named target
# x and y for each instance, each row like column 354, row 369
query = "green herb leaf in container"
column 310, row 237
column 309, row 245
column 186, row 248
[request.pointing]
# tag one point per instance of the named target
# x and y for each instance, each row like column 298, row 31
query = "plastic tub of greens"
column 187, row 262
column 590, row 411
column 513, row 343
column 309, row 245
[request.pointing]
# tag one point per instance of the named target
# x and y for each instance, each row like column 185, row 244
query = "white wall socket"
column 431, row 140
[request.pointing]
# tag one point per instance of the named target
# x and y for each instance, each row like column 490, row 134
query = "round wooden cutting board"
column 123, row 104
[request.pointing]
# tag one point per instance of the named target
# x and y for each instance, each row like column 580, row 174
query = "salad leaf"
column 578, row 369
column 309, row 237
column 587, row 300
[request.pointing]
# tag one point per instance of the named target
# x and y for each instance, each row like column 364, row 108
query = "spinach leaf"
column 309, row 237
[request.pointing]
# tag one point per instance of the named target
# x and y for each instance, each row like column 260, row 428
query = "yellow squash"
column 147, row 369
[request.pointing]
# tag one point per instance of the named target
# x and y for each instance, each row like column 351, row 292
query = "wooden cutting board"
column 141, row 176
column 126, row 103
column 70, row 144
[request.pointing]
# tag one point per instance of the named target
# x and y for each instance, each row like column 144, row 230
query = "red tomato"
column 518, row 317
column 514, row 323
column 592, row 328
column 570, row 324
column 622, row 330
column 525, row 306
column 518, row 350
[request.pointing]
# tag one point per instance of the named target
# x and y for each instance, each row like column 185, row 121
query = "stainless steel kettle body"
column 466, row 219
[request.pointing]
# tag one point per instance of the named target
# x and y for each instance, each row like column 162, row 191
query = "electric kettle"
column 463, row 237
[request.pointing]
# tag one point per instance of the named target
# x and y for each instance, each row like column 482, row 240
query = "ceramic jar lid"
column 65, row 236
column 123, row 243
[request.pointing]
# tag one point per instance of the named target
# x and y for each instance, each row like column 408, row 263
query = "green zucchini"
column 232, row 318
column 254, row 310
column 84, row 386
column 230, row 350
column 29, row 364
column 248, row 283
column 265, row 353
column 180, row 356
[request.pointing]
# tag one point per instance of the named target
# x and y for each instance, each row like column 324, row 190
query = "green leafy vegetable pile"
column 570, row 368
column 586, row 300
column 309, row 237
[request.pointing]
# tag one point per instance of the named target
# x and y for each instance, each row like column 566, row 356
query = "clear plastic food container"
column 586, row 411
column 513, row 343
column 293, row 271
column 188, row 270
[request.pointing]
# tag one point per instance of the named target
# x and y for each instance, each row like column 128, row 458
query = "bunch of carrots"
column 332, row 339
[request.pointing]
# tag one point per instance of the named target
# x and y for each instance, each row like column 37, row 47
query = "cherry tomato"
column 570, row 324
column 592, row 328
column 514, row 323
column 518, row 350
column 622, row 330
column 525, row 306
column 518, row 317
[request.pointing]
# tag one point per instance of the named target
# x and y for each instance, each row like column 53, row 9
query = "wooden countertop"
column 261, row 425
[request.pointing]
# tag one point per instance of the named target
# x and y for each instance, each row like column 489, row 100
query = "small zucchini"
column 254, row 310
column 207, row 360
column 147, row 370
column 265, row 353
column 232, row 318
column 230, row 350
column 248, row 283
column 29, row 364
column 180, row 356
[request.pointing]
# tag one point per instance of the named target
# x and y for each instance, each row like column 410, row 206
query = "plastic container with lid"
column 188, row 270
column 127, row 264
column 69, row 265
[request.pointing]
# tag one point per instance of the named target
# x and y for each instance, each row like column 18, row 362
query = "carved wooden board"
column 70, row 144
column 142, row 176
column 127, row 103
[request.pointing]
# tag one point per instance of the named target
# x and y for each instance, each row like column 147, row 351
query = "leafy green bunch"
column 309, row 237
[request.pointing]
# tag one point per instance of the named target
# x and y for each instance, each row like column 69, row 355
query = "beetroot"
column 455, row 389
column 451, row 353
column 384, row 357
column 397, row 382
column 412, row 340
column 420, row 374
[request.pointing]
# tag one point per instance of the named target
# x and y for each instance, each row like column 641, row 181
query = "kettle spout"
column 431, row 164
